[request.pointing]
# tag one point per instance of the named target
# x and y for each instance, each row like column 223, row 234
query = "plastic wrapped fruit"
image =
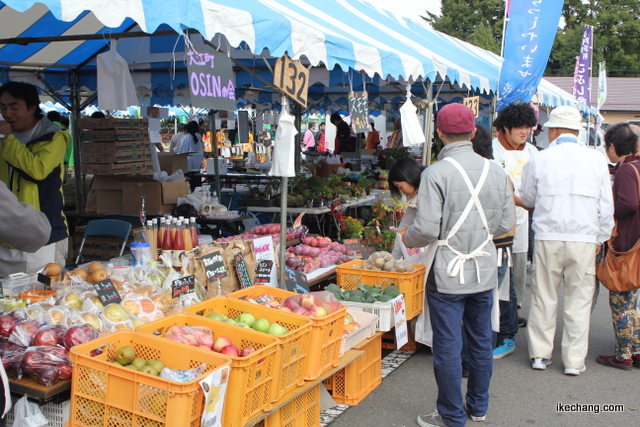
column 11, row 355
column 47, row 365
column 115, row 313
column 24, row 333
column 79, row 334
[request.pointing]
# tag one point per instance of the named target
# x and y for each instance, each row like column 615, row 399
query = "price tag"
column 241, row 271
column 45, row 280
column 473, row 103
column 298, row 222
column 295, row 281
column 182, row 286
column 293, row 78
column 354, row 245
column 214, row 266
column 367, row 251
column 263, row 271
column 107, row 292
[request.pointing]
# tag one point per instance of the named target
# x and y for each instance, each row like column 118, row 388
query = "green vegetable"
column 336, row 291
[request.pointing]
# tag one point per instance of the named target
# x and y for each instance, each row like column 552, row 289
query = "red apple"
column 64, row 371
column 220, row 343
column 7, row 325
column 79, row 334
column 230, row 350
column 247, row 351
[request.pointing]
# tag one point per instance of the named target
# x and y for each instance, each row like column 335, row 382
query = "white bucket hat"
column 565, row 118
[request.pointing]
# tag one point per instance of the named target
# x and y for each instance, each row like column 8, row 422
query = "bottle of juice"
column 161, row 230
column 152, row 238
column 194, row 232
column 167, row 243
column 186, row 232
column 178, row 247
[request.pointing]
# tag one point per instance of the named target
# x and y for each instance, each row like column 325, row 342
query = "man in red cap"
column 464, row 200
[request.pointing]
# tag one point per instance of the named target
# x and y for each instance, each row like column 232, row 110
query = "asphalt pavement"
column 519, row 395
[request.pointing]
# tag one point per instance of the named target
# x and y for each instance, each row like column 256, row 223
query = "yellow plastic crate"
column 326, row 332
column 293, row 346
column 349, row 386
column 410, row 284
column 252, row 378
column 302, row 411
column 106, row 395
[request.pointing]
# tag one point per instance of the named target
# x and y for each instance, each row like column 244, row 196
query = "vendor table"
column 235, row 177
column 317, row 212
column 348, row 358
column 57, row 393
column 320, row 275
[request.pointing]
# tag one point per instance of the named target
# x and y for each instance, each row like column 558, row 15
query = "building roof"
column 623, row 93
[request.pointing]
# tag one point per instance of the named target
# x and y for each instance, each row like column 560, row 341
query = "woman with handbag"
column 621, row 147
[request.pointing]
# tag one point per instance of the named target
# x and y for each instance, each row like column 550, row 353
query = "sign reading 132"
column 293, row 78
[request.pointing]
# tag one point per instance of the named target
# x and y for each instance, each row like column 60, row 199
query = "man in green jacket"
column 31, row 165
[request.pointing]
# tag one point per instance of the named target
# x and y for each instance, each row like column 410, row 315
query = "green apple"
column 247, row 318
column 139, row 363
column 131, row 367
column 230, row 321
column 125, row 355
column 149, row 370
column 217, row 316
column 115, row 362
column 260, row 325
column 276, row 329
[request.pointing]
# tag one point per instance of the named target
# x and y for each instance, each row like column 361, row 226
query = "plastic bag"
column 11, row 355
column 313, row 304
column 24, row 333
column 50, row 335
column 79, row 334
column 183, row 376
column 47, row 365
column 197, row 336
column 28, row 414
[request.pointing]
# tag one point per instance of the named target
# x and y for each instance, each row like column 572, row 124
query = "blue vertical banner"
column 531, row 29
column 581, row 82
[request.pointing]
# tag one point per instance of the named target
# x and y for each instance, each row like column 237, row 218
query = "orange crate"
column 293, row 345
column 326, row 332
column 410, row 284
column 104, row 394
column 251, row 380
column 302, row 411
column 349, row 386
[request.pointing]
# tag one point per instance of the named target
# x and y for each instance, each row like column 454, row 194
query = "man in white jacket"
column 569, row 186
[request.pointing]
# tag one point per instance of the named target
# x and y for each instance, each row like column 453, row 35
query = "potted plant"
column 352, row 228
column 365, row 180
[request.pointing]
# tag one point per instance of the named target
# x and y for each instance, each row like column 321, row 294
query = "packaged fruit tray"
column 252, row 377
column 103, row 393
column 350, row 274
column 293, row 345
column 326, row 332
column 367, row 329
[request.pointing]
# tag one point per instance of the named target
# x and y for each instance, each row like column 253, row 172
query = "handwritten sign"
column 263, row 271
column 182, row 286
column 367, row 251
column 107, row 292
column 293, row 78
column 400, row 319
column 473, row 103
column 354, row 245
column 241, row 270
column 211, row 81
column 263, row 250
column 295, row 281
column 359, row 111
column 214, row 266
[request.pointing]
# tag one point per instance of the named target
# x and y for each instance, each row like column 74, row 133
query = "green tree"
column 476, row 21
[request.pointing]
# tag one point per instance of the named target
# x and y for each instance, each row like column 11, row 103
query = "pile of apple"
column 311, row 304
column 248, row 320
column 126, row 357
column 316, row 252
column 350, row 324
column 202, row 337
column 47, row 365
column 272, row 230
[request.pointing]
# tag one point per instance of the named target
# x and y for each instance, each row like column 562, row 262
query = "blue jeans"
column 447, row 313
column 508, row 309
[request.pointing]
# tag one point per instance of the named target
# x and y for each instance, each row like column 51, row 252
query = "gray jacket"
column 442, row 197
column 21, row 226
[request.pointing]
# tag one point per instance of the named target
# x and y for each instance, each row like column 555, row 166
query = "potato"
column 389, row 265
column 366, row 264
column 379, row 262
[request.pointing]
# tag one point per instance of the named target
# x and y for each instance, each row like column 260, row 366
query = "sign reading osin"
column 211, row 80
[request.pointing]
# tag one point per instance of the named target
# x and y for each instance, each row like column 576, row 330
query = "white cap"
column 566, row 118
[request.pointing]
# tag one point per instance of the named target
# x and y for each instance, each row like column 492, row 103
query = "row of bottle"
column 172, row 237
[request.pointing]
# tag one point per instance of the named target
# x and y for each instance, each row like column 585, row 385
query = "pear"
column 125, row 355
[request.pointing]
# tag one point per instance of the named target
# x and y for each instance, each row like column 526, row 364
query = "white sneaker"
column 575, row 372
column 540, row 363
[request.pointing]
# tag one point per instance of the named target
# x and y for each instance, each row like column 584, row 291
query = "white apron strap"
column 456, row 266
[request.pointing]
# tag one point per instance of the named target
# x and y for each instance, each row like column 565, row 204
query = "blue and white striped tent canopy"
column 346, row 41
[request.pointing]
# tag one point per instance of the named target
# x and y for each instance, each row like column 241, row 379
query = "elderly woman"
column 621, row 146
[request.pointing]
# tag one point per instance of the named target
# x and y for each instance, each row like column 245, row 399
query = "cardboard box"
column 120, row 134
column 122, row 194
column 170, row 162
column 89, row 123
column 144, row 168
column 117, row 156
column 114, row 146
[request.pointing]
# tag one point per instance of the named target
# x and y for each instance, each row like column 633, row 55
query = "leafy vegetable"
column 364, row 293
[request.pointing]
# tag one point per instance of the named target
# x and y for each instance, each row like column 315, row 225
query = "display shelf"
column 57, row 393
column 348, row 358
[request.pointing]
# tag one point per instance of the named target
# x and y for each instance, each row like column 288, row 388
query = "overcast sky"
column 412, row 8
